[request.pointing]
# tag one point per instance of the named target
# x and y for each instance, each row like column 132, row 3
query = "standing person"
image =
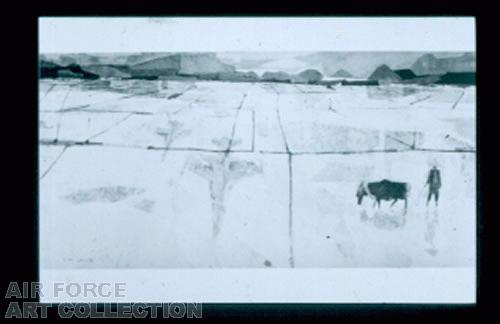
column 434, row 182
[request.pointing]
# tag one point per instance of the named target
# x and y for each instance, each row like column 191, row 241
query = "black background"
column 19, row 123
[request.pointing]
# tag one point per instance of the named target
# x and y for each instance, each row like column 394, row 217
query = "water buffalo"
column 383, row 190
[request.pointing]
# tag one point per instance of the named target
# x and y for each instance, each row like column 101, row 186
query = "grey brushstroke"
column 220, row 172
column 291, row 258
column 110, row 127
column 60, row 116
column 109, row 194
column 458, row 100
column 420, row 100
column 54, row 162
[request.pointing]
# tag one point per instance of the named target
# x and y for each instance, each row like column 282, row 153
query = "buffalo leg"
column 395, row 200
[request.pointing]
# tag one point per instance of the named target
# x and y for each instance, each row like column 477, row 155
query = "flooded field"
column 185, row 174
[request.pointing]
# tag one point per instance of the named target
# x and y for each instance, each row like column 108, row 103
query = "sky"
column 275, row 34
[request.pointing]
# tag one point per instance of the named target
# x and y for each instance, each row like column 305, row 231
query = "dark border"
column 25, row 263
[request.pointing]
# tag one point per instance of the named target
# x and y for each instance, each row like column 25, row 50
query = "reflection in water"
column 385, row 219
column 431, row 220
column 221, row 172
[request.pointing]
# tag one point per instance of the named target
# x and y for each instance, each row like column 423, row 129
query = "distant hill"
column 409, row 77
column 429, row 64
column 342, row 74
column 184, row 64
column 423, row 80
column 163, row 66
column 420, row 68
column 385, row 74
column 276, row 77
column 462, row 78
column 308, row 76
column 360, row 82
column 359, row 64
column 333, row 64
column 405, row 74
column 237, row 76
column 48, row 69
column 194, row 63
column 79, row 59
column 44, row 64
column 142, row 57
column 52, row 70
column 108, row 71
column 75, row 71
